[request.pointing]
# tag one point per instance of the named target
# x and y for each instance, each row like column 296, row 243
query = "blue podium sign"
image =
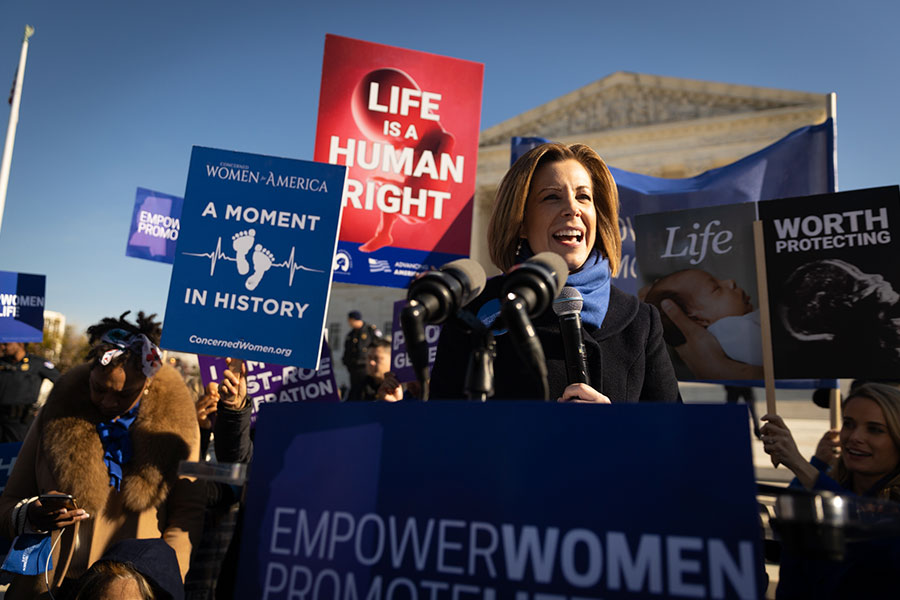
column 503, row 500
column 252, row 270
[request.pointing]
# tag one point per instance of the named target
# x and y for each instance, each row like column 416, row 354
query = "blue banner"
column 501, row 500
column 252, row 271
column 800, row 164
column 155, row 226
column 21, row 307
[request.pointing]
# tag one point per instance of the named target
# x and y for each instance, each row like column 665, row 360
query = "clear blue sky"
column 116, row 93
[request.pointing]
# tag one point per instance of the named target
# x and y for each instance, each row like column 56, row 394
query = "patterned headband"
column 151, row 362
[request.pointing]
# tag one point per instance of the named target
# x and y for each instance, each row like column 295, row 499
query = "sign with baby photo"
column 832, row 272
column 702, row 261
column 252, row 272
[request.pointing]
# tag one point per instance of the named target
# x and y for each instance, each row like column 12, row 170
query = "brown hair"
column 509, row 205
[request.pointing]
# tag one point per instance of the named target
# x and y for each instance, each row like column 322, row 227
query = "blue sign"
column 21, row 307
column 252, row 272
column 501, row 500
column 155, row 226
column 389, row 267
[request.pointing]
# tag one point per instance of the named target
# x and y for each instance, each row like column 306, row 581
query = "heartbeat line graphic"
column 266, row 262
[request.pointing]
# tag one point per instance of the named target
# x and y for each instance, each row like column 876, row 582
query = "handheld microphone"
column 433, row 297
column 567, row 307
column 527, row 291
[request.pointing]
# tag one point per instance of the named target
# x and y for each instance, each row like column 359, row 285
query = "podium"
column 518, row 500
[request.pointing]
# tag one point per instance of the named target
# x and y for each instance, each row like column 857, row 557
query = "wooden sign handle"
column 762, row 288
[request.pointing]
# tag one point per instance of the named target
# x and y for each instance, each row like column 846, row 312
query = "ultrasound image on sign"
column 832, row 274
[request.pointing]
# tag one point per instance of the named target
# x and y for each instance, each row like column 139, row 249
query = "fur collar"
column 162, row 435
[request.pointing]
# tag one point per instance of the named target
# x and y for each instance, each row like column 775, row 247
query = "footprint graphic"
column 262, row 261
column 242, row 241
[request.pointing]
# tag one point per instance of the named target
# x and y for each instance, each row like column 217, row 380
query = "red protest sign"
column 405, row 123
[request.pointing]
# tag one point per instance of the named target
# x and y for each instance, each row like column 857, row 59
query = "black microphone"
column 567, row 307
column 527, row 291
column 442, row 292
column 536, row 281
column 433, row 297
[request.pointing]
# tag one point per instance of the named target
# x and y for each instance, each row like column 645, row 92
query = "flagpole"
column 831, row 112
column 13, row 122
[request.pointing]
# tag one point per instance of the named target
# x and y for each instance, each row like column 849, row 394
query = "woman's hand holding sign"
column 780, row 445
column 702, row 352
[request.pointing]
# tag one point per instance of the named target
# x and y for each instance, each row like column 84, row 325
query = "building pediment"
column 627, row 100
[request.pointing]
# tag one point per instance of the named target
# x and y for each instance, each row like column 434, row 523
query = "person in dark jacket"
column 355, row 357
column 21, row 376
column 563, row 199
column 233, row 444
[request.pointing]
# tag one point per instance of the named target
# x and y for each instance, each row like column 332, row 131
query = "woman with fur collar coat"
column 125, row 486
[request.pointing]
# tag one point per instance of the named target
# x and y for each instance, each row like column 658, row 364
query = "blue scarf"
column 117, row 444
column 593, row 281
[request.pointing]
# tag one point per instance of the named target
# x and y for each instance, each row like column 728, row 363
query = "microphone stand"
column 527, row 343
column 412, row 322
column 479, row 383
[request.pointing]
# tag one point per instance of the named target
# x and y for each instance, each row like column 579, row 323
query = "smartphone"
column 235, row 365
column 58, row 501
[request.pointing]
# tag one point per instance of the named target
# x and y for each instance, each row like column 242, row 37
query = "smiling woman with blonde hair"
column 869, row 447
column 868, row 466
column 563, row 199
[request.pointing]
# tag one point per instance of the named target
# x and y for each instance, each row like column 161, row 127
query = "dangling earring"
column 519, row 247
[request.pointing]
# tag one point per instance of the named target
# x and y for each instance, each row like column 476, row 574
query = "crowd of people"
column 97, row 508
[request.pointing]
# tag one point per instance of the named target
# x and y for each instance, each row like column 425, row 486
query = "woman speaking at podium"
column 563, row 199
